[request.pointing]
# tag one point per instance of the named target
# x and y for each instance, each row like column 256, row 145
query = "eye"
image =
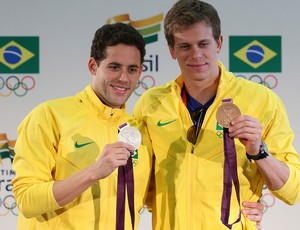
column 184, row 47
column 204, row 44
column 133, row 70
column 114, row 67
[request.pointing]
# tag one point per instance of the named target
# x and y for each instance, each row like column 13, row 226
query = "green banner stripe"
column 149, row 30
column 150, row 39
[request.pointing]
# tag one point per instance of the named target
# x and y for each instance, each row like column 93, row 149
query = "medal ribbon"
column 230, row 174
column 125, row 178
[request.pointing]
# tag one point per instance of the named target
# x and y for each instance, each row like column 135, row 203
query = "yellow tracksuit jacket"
column 59, row 138
column 188, row 187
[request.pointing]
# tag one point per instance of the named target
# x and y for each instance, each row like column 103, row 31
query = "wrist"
column 93, row 174
column 263, row 153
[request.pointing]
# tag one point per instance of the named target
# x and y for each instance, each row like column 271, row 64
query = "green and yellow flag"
column 19, row 55
column 255, row 54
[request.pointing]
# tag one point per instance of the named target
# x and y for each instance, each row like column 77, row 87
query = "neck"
column 202, row 90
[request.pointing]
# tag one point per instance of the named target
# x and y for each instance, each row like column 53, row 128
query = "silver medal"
column 130, row 135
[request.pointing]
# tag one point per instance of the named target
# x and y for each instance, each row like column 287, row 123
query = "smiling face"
column 115, row 77
column 196, row 51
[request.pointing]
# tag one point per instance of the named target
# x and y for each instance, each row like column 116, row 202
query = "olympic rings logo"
column 267, row 199
column 269, row 81
column 146, row 82
column 134, row 162
column 14, row 84
column 8, row 203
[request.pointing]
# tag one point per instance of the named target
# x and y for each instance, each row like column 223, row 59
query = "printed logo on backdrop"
column 8, row 204
column 267, row 199
column 268, row 80
column 255, row 54
column 19, row 59
column 149, row 28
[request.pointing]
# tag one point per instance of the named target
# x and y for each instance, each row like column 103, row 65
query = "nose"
column 196, row 52
column 124, row 76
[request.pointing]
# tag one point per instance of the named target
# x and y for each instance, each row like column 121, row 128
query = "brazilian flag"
column 19, row 55
column 255, row 54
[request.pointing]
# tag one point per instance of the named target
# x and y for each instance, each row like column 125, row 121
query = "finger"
column 253, row 210
column 255, row 218
column 115, row 154
column 122, row 144
column 252, row 126
column 246, row 133
column 244, row 118
column 119, row 159
column 257, row 205
column 244, row 121
column 118, row 148
column 122, row 154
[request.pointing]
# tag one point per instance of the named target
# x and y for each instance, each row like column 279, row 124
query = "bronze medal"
column 226, row 113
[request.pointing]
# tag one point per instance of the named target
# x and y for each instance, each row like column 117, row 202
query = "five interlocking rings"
column 8, row 203
column 269, row 81
column 14, row 84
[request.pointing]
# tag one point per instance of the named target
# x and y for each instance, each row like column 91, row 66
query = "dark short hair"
column 185, row 13
column 114, row 34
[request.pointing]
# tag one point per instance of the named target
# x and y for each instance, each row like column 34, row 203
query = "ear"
column 92, row 65
column 141, row 70
column 219, row 44
column 172, row 52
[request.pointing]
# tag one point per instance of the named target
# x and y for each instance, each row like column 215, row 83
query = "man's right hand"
column 112, row 156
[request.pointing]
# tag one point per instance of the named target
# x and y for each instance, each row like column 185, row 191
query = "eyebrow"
column 134, row 66
column 119, row 64
column 188, row 43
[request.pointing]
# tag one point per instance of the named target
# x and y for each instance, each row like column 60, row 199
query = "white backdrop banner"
column 45, row 45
